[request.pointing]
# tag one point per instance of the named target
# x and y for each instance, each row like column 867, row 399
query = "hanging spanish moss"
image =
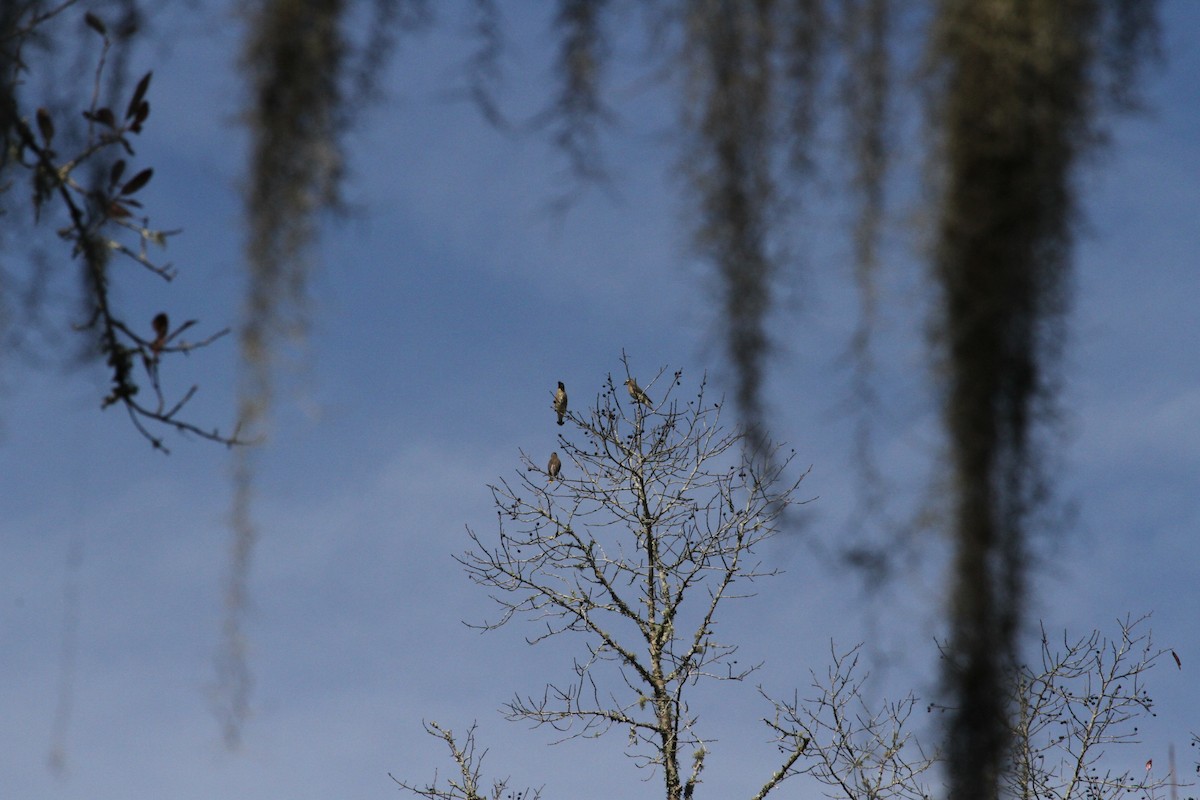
column 866, row 93
column 10, row 44
column 804, row 47
column 307, row 81
column 1013, row 114
column 295, row 56
column 578, row 112
column 729, row 46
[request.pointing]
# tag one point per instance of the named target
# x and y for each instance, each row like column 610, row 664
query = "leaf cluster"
column 93, row 194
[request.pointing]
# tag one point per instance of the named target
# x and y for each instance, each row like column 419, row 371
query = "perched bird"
column 560, row 401
column 554, row 467
column 636, row 393
column 162, row 328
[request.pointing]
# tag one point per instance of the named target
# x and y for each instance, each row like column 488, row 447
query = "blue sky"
column 445, row 307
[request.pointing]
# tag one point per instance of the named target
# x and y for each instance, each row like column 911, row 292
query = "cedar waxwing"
column 554, row 467
column 636, row 393
column 560, row 402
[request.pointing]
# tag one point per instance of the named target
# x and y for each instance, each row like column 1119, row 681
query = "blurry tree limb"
column 95, row 217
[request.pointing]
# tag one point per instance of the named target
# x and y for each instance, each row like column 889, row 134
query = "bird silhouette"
column 554, row 467
column 636, row 393
column 560, row 402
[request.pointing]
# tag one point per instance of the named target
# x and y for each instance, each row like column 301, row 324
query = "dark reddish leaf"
column 114, row 175
column 138, row 181
column 102, row 115
column 139, row 94
column 45, row 125
column 142, row 112
column 116, row 210
column 95, row 24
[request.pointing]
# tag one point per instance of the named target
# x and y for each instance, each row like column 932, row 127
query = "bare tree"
column 650, row 527
column 1084, row 696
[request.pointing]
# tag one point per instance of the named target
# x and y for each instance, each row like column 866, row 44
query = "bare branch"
column 466, row 784
column 857, row 749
